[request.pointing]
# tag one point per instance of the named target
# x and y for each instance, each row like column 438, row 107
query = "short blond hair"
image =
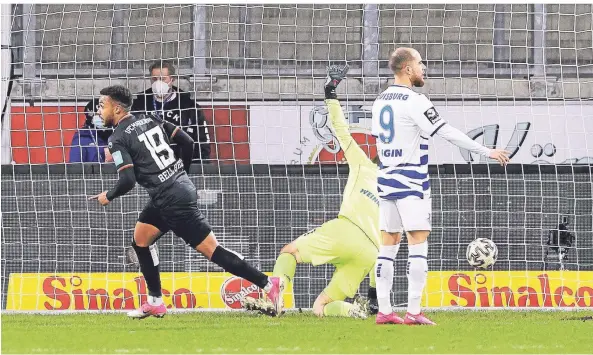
column 399, row 57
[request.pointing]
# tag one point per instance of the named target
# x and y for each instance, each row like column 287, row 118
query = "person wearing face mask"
column 88, row 144
column 167, row 102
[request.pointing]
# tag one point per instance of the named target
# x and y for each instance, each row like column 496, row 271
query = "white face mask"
column 160, row 89
column 98, row 122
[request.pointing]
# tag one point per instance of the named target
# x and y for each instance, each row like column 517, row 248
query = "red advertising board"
column 43, row 134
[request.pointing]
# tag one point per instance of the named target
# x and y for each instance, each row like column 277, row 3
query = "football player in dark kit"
column 141, row 152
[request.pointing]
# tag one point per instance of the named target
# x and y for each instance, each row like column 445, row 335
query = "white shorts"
column 409, row 214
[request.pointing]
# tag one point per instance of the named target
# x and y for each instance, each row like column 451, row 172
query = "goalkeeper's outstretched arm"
column 353, row 153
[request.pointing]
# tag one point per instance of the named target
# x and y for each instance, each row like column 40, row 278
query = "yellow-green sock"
column 337, row 309
column 285, row 267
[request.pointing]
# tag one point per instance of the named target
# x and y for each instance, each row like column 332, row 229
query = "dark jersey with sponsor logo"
column 143, row 143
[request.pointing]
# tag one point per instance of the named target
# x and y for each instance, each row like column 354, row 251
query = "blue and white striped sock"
column 417, row 273
column 384, row 270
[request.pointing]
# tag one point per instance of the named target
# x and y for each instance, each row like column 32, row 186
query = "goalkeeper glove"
column 335, row 74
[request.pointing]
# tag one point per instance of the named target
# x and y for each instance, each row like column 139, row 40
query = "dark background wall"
column 48, row 225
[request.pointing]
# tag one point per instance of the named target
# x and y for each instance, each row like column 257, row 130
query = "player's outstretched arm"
column 353, row 153
column 184, row 141
column 127, row 177
column 125, row 169
column 126, row 182
column 427, row 118
column 461, row 140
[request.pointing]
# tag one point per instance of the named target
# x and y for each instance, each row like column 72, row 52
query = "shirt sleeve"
column 170, row 129
column 424, row 114
column 119, row 153
column 183, row 140
column 123, row 161
column 353, row 153
column 461, row 140
column 126, row 182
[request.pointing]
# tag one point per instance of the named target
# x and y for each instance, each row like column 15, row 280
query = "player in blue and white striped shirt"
column 403, row 122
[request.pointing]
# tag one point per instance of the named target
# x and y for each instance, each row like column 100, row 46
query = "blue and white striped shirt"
column 403, row 121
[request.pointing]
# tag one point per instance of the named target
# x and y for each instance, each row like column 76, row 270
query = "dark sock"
column 234, row 264
column 372, row 294
column 373, row 302
column 149, row 270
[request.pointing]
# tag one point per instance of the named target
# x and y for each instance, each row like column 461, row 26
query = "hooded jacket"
column 87, row 147
column 88, row 143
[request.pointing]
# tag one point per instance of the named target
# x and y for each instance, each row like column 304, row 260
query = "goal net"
column 516, row 76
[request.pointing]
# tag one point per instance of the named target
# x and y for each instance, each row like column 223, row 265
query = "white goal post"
column 515, row 76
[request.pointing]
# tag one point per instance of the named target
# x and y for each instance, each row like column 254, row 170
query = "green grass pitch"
column 457, row 332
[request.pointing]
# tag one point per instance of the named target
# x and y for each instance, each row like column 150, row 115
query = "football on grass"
column 482, row 253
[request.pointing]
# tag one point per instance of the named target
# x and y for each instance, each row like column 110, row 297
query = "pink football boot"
column 148, row 310
column 419, row 319
column 390, row 318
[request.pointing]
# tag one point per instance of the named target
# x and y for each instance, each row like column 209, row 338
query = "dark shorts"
column 176, row 209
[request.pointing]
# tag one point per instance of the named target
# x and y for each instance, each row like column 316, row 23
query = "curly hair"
column 120, row 94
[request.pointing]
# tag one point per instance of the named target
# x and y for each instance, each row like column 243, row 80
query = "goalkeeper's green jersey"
column 360, row 202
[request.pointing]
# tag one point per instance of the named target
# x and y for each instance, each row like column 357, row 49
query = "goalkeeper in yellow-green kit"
column 350, row 242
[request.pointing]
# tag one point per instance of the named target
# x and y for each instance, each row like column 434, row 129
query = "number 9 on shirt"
column 386, row 122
